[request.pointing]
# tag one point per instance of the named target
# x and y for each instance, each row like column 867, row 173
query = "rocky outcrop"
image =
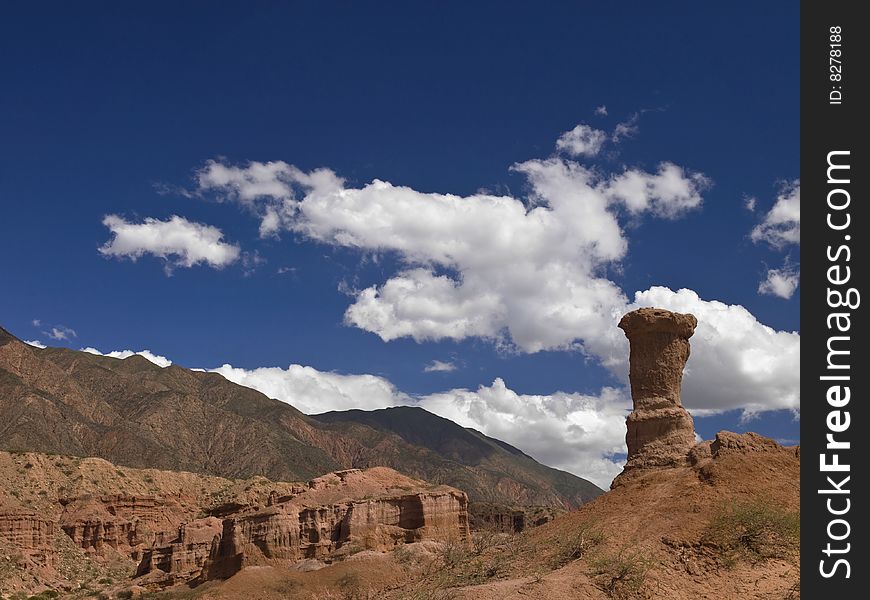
column 197, row 546
column 122, row 522
column 728, row 441
column 498, row 518
column 660, row 431
column 30, row 534
column 300, row 527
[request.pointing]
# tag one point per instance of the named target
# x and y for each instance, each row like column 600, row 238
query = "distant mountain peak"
column 135, row 413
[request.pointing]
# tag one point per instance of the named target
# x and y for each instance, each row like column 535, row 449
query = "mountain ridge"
column 138, row 414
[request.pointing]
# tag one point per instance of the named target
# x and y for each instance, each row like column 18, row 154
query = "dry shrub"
column 754, row 530
column 576, row 544
column 621, row 575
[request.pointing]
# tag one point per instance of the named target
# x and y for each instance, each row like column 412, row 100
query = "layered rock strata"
column 293, row 530
column 660, row 432
column 30, row 534
column 125, row 523
column 65, row 518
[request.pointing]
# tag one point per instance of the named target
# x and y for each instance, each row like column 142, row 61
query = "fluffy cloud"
column 575, row 432
column 780, row 282
column 439, row 366
column 180, row 242
column 35, row 343
column 668, row 193
column 736, row 362
column 61, row 333
column 160, row 361
column 601, row 111
column 527, row 273
column 519, row 272
column 313, row 391
column 782, row 225
column 583, row 140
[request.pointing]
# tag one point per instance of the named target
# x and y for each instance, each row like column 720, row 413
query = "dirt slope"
column 721, row 528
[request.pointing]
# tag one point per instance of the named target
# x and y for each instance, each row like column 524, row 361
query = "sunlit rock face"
column 660, row 431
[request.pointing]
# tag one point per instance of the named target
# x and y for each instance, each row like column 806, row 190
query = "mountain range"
column 138, row 414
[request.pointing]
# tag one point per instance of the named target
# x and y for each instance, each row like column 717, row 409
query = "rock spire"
column 660, row 431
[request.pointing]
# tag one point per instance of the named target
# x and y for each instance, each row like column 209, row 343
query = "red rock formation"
column 297, row 527
column 183, row 559
column 660, row 431
column 125, row 523
column 31, row 535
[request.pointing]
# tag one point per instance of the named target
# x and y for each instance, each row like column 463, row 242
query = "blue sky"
column 107, row 110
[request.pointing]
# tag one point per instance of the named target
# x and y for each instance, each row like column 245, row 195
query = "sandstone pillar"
column 660, row 431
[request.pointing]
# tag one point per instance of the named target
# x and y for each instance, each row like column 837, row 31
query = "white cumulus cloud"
column 181, row 243
column 35, row 343
column 780, row 282
column 578, row 433
column 526, row 273
column 781, row 226
column 575, row 432
column 583, row 140
column 736, row 362
column 160, row 361
column 668, row 193
column 313, row 391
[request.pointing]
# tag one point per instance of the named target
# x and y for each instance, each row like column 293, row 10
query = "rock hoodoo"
column 660, row 431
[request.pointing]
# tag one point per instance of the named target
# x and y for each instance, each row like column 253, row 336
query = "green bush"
column 755, row 530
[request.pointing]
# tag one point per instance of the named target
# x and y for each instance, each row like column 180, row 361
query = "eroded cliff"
column 170, row 527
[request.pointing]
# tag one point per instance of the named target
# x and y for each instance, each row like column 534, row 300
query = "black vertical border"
column 827, row 127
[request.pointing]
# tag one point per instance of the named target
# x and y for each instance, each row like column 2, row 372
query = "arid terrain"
column 132, row 412
column 684, row 520
column 724, row 527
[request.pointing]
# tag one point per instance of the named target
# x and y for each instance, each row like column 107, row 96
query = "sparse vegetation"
column 621, row 574
column 350, row 588
column 46, row 595
column 286, row 586
column 487, row 557
column 754, row 530
column 575, row 545
column 403, row 556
